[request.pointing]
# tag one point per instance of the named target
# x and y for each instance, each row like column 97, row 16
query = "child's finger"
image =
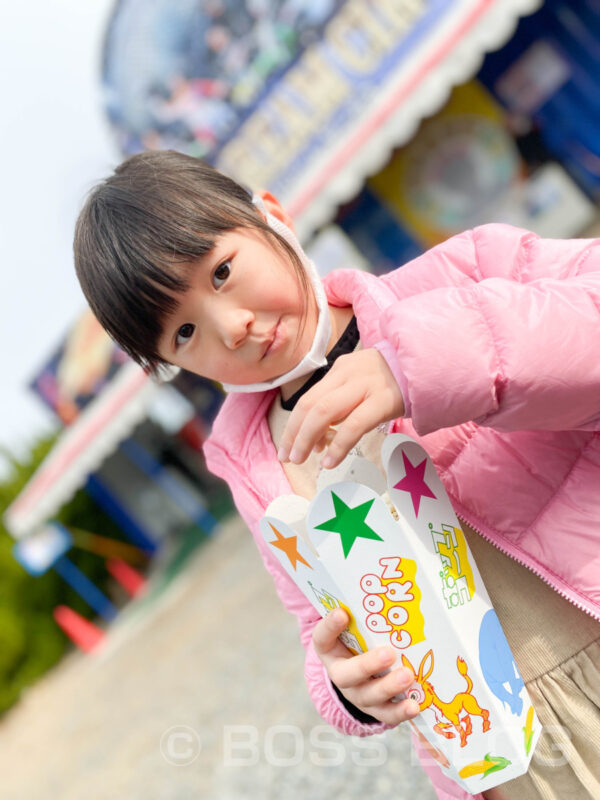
column 359, row 679
column 359, row 415
column 326, row 631
column 358, row 393
column 349, row 673
column 365, row 417
column 382, row 689
column 393, row 713
column 359, row 676
column 324, row 441
column 318, row 399
column 311, row 421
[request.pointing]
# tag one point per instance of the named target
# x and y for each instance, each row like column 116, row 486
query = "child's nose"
column 235, row 327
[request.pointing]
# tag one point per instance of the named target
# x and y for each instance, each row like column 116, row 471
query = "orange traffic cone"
column 129, row 578
column 80, row 630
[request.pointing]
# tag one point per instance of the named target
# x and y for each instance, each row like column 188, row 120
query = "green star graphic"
column 349, row 523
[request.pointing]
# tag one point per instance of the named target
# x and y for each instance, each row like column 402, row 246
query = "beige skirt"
column 557, row 649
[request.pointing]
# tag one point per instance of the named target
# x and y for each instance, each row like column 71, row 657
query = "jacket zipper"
column 530, row 568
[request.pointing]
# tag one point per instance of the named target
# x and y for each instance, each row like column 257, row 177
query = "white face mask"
column 316, row 356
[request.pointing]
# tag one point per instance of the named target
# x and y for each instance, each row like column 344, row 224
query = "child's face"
column 244, row 318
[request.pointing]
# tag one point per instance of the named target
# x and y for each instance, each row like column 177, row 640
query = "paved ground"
column 198, row 693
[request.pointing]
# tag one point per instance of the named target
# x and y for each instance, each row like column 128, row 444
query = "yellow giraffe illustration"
column 425, row 695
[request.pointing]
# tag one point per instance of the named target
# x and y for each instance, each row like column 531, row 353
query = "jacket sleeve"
column 506, row 332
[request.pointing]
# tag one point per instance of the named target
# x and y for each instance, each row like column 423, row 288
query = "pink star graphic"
column 414, row 482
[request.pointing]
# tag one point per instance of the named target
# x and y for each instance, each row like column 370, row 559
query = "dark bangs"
column 137, row 230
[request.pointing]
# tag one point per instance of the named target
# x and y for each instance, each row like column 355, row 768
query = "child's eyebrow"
column 216, row 255
column 226, row 252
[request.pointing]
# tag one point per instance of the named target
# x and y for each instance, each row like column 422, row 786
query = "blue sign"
column 42, row 549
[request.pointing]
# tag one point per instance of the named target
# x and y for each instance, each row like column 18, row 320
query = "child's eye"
column 221, row 274
column 184, row 333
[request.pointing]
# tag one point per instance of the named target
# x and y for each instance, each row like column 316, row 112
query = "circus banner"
column 304, row 99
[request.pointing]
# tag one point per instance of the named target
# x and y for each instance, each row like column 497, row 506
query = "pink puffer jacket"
column 495, row 335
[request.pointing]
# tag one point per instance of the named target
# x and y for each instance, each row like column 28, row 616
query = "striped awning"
column 81, row 448
column 337, row 113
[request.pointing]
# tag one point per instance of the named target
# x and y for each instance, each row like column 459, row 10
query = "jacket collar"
column 366, row 293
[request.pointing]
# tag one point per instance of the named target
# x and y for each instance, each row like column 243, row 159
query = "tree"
column 30, row 641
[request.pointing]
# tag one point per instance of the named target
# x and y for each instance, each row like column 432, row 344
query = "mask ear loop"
column 317, row 354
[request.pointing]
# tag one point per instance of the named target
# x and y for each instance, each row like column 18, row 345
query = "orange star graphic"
column 289, row 547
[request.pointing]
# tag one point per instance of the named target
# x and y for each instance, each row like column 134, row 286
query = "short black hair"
column 137, row 231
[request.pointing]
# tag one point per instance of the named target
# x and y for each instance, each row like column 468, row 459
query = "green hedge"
column 30, row 640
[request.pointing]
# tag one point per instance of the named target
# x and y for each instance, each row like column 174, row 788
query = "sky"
column 55, row 145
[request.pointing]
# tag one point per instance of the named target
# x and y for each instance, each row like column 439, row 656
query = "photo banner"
column 305, row 100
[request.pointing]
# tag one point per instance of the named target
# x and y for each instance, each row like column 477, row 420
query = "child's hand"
column 358, row 393
column 355, row 677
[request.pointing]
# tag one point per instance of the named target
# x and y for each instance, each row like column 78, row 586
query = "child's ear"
column 274, row 207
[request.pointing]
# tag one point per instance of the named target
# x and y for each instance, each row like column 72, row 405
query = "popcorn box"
column 396, row 559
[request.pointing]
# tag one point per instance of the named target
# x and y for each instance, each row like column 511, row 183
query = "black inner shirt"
column 345, row 344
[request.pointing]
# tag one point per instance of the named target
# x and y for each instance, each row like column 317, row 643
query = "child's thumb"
column 326, row 632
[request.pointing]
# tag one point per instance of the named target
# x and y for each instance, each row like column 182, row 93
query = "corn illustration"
column 484, row 767
column 528, row 730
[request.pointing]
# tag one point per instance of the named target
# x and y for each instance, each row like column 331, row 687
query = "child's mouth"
column 277, row 340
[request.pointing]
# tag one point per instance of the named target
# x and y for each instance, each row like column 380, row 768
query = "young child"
column 486, row 349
